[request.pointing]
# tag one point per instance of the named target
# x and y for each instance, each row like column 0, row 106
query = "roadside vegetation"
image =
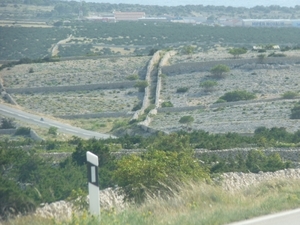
column 28, row 179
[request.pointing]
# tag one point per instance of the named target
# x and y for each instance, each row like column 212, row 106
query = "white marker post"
column 92, row 168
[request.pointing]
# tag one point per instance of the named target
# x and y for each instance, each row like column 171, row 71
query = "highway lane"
column 18, row 114
column 291, row 217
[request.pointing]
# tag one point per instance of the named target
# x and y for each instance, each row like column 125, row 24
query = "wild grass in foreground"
column 195, row 204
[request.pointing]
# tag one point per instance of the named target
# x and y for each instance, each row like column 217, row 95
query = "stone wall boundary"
column 102, row 86
column 97, row 115
column 290, row 154
column 146, row 102
column 190, row 67
column 7, row 131
column 12, row 131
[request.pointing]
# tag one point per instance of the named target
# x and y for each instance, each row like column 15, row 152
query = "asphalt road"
column 284, row 218
column 18, row 114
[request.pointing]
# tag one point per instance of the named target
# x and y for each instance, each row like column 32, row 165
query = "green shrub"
column 182, row 89
column 208, row 85
column 149, row 108
column 295, row 111
column 23, row 131
column 132, row 77
column 290, row 95
column 237, row 96
column 141, row 85
column 274, row 54
column 186, row 119
column 167, row 104
column 219, row 71
column 137, row 107
column 220, row 101
column 163, row 76
column 53, row 130
column 255, row 161
column 156, row 172
column 7, row 123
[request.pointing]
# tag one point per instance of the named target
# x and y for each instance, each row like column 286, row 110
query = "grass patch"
column 201, row 204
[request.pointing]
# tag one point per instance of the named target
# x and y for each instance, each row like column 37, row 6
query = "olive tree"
column 219, row 71
column 236, row 52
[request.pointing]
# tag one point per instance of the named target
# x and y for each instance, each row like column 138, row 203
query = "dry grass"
column 201, row 204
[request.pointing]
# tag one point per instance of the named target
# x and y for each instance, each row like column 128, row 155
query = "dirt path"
column 54, row 50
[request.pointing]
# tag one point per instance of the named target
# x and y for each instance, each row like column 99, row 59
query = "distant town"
column 222, row 21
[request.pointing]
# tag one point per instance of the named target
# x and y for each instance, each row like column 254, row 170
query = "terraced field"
column 269, row 109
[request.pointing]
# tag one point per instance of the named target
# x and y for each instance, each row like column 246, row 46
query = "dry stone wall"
column 181, row 68
column 97, row 115
column 146, row 102
column 115, row 85
column 292, row 154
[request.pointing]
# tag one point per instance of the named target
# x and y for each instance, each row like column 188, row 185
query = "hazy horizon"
column 233, row 3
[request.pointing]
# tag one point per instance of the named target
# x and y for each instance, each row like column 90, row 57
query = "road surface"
column 284, row 218
column 18, row 114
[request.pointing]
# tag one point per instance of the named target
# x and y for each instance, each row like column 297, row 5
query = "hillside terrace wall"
column 33, row 134
column 191, row 67
column 97, row 115
column 292, row 154
column 116, row 85
column 7, row 131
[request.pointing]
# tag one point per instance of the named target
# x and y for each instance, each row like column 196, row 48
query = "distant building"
column 270, row 23
column 231, row 22
column 194, row 20
column 129, row 16
column 154, row 19
column 101, row 18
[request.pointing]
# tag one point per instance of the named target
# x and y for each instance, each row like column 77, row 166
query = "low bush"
column 295, row 111
column 23, row 131
column 141, row 85
column 237, row 96
column 132, row 77
column 7, row 123
column 167, row 104
column 186, row 119
column 209, row 85
column 149, row 108
column 290, row 95
column 274, row 54
column 182, row 89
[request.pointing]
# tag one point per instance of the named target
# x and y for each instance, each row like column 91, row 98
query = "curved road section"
column 46, row 123
column 284, row 218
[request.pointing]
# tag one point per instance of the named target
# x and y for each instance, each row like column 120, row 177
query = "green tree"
column 188, row 50
column 186, row 120
column 236, row 52
column 219, row 71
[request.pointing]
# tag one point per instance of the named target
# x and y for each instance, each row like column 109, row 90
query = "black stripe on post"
column 92, row 174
